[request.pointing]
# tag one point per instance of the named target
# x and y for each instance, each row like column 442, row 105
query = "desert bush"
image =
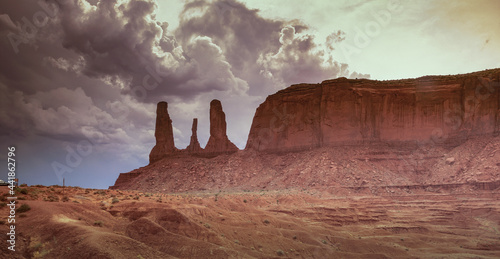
column 65, row 199
column 23, row 208
column 22, row 190
column 100, row 192
column 51, row 198
column 280, row 253
column 98, row 223
column 115, row 200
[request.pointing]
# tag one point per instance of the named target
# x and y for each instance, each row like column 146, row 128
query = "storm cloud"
column 79, row 70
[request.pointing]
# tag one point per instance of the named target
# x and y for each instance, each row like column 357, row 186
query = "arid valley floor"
column 71, row 222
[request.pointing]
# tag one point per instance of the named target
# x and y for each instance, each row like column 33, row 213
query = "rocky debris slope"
column 374, row 168
column 446, row 109
column 163, row 133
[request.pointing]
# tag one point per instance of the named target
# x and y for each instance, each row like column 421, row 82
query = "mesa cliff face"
column 441, row 109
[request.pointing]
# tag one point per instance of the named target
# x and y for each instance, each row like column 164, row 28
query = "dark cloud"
column 93, row 71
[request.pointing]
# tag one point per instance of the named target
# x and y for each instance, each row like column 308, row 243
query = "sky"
column 80, row 79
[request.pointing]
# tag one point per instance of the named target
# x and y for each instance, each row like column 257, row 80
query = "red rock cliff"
column 343, row 111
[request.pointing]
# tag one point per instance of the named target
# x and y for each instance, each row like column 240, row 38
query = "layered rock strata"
column 163, row 133
column 439, row 109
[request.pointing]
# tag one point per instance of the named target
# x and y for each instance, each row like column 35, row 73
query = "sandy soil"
column 86, row 223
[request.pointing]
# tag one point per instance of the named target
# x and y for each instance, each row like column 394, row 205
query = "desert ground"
column 73, row 222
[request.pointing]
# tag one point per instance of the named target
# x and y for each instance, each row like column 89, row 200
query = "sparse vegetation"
column 22, row 190
column 23, row 208
column 115, row 200
column 51, row 198
column 98, row 223
column 65, row 199
column 38, row 245
column 100, row 192
column 245, row 201
column 207, row 225
column 280, row 253
column 266, row 221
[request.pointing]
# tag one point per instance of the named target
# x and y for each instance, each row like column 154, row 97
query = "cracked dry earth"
column 86, row 223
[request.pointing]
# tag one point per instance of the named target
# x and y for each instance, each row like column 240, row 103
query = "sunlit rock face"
column 441, row 109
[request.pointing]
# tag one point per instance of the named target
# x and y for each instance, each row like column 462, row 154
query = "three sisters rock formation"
column 218, row 143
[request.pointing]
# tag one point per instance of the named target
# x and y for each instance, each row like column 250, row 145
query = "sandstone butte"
column 441, row 111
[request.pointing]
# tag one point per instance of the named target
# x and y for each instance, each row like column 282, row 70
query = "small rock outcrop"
column 163, row 133
column 194, row 146
column 218, row 141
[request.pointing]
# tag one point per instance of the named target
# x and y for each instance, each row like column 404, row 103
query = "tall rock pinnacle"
column 194, row 145
column 218, row 141
column 163, row 133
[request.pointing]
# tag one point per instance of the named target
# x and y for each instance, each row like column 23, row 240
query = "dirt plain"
column 72, row 222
